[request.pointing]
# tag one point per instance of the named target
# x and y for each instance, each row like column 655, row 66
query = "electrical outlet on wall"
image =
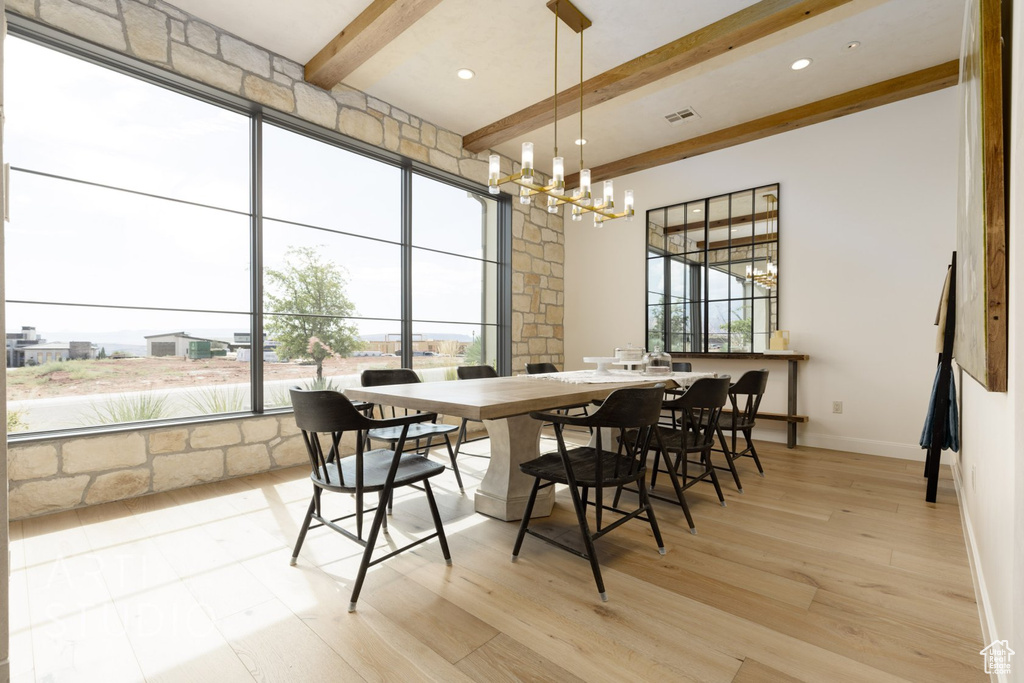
column 837, row 407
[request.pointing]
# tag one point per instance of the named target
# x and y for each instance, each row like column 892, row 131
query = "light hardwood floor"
column 831, row 568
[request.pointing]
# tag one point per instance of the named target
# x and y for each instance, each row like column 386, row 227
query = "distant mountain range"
column 134, row 341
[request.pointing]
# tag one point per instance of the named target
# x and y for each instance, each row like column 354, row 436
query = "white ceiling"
column 509, row 44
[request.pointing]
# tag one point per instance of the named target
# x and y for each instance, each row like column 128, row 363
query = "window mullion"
column 406, row 229
column 256, row 261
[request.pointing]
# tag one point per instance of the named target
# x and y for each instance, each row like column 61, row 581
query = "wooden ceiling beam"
column 741, row 242
column 721, row 222
column 746, row 26
column 375, row 27
column 893, row 90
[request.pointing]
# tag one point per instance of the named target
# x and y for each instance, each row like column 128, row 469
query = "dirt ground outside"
column 109, row 376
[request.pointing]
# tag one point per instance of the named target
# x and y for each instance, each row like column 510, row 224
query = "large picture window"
column 712, row 273
column 139, row 214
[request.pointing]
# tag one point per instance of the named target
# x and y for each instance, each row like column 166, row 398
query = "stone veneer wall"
column 60, row 474
column 55, row 474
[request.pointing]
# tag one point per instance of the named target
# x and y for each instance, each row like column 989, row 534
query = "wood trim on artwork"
column 996, row 262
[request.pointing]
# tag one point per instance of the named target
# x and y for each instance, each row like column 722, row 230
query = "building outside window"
column 130, row 255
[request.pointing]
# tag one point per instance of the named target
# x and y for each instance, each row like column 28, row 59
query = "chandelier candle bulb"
column 528, row 162
column 585, row 186
column 558, row 173
column 609, row 194
column 552, row 205
column 524, row 196
column 628, row 201
column 493, row 173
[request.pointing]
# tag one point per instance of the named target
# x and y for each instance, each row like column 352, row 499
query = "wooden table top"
column 492, row 398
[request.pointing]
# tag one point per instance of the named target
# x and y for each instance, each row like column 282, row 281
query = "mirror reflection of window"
column 713, row 273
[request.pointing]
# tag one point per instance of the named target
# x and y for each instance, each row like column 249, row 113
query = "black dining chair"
column 323, row 417
column 680, row 366
column 545, row 368
column 745, row 399
column 540, row 368
column 606, row 465
column 471, row 372
column 421, row 430
column 690, row 439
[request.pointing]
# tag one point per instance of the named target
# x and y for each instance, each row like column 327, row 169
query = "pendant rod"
column 556, row 79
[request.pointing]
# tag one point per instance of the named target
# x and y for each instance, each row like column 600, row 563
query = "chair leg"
column 674, row 478
column 645, row 503
column 657, row 463
column 706, row 459
column 461, row 437
column 753, row 452
column 523, row 525
column 359, row 513
column 588, row 541
column 441, row 538
column 730, row 457
column 304, row 528
column 371, row 540
column 455, row 465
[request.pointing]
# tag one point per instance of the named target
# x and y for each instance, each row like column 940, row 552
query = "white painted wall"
column 992, row 456
column 867, row 224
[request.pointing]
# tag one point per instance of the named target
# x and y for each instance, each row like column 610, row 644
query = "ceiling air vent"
column 678, row 117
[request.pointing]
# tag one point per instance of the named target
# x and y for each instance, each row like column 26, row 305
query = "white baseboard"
column 988, row 624
column 888, row 449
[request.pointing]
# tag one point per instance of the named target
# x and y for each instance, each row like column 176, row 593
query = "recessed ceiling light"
column 466, row 74
column 696, row 210
column 853, row 45
column 801, row 63
column 581, row 141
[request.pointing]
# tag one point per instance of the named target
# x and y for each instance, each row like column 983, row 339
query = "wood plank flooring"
column 830, row 568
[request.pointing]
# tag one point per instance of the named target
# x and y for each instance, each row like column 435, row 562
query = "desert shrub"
column 16, row 421
column 130, row 408
column 211, row 400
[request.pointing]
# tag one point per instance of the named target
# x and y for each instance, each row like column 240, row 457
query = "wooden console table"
column 790, row 416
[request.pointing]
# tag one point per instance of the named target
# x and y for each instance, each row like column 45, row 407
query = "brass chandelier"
column 581, row 199
column 769, row 277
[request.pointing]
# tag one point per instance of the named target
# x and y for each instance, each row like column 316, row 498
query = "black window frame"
column 48, row 37
column 702, row 303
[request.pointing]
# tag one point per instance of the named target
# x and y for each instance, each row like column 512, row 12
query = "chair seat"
column 672, row 439
column 411, row 469
column 726, row 424
column 420, row 430
column 584, row 466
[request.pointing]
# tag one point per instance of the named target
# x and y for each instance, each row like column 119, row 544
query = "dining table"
column 504, row 405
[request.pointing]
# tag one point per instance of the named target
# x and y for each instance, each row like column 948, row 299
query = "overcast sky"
column 74, row 243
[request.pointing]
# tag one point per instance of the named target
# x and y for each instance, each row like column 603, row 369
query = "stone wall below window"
column 54, row 475
column 61, row 474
